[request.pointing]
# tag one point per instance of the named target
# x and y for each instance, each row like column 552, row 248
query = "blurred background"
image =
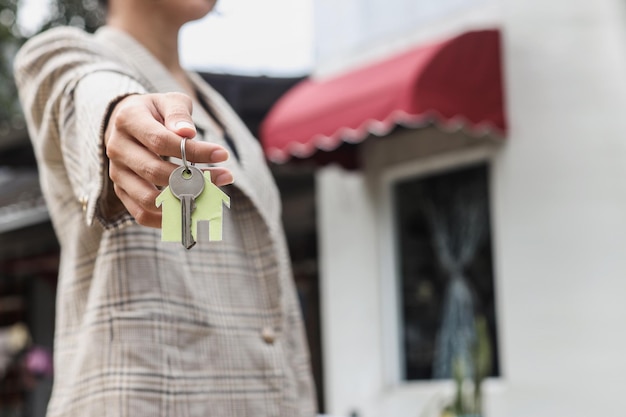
column 452, row 175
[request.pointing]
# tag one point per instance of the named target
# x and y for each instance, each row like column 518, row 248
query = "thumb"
column 176, row 108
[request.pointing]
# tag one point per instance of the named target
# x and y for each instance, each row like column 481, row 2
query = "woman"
column 144, row 327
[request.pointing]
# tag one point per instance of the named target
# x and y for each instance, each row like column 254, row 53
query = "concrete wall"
column 350, row 307
column 351, row 32
column 559, row 207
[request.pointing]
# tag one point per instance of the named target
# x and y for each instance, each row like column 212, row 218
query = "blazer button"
column 83, row 202
column 268, row 335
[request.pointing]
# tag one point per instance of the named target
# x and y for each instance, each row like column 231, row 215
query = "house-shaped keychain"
column 209, row 207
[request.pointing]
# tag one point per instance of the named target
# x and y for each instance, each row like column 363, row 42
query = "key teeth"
column 187, row 189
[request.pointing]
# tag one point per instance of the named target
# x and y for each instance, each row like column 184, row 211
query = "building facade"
column 548, row 269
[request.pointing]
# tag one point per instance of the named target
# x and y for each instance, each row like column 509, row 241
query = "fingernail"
column 224, row 179
column 183, row 124
column 219, row 155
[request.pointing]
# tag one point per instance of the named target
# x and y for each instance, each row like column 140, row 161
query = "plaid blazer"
column 144, row 327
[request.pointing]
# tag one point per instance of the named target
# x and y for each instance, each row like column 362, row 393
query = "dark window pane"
column 443, row 232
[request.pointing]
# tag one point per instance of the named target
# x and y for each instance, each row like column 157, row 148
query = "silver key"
column 187, row 183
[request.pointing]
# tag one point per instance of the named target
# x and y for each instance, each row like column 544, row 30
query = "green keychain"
column 189, row 198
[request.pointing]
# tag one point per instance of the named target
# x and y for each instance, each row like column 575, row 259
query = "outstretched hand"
column 141, row 131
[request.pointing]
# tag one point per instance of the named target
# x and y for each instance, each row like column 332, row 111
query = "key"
column 187, row 183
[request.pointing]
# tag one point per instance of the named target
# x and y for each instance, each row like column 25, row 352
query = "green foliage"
column 10, row 41
column 467, row 399
column 85, row 14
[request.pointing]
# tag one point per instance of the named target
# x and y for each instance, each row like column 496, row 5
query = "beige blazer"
column 144, row 327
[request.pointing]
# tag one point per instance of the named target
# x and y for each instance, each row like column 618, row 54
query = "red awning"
column 455, row 83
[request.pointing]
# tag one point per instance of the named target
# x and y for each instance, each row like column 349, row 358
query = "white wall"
column 560, row 207
column 351, row 322
column 360, row 311
column 349, row 33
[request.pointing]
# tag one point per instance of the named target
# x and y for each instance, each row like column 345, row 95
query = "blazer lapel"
column 251, row 174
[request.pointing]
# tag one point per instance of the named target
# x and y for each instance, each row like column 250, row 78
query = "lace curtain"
column 456, row 212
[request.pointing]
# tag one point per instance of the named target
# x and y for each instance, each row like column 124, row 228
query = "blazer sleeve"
column 67, row 86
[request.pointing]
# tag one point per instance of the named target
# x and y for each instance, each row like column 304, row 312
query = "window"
column 444, row 262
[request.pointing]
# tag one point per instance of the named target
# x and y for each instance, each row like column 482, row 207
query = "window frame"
column 390, row 296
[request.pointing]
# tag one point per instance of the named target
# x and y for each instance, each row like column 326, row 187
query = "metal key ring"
column 183, row 154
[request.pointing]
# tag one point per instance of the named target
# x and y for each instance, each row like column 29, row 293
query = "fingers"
column 138, row 196
column 158, row 122
column 131, row 156
column 141, row 131
column 220, row 176
column 175, row 109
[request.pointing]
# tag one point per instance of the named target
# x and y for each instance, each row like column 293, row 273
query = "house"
column 493, row 191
